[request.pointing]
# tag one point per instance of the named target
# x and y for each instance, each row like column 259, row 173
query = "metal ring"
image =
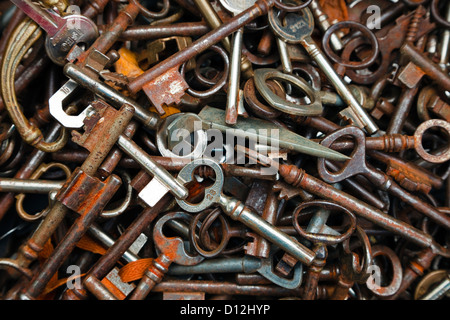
column 207, row 82
column 355, row 270
column 287, row 8
column 108, row 214
column 196, row 243
column 397, row 272
column 349, row 64
column 320, row 237
column 435, row 13
column 257, row 107
column 219, row 84
column 36, row 174
column 418, row 134
column 150, row 14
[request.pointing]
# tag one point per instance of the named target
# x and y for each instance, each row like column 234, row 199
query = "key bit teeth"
column 288, row 192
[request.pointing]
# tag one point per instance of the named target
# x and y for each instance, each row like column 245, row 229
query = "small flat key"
column 62, row 32
column 298, row 28
column 236, row 7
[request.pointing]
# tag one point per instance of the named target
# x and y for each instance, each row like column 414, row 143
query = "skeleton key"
column 162, row 181
column 358, row 165
column 246, row 264
column 237, row 211
column 298, row 28
column 62, row 32
column 236, row 7
column 172, row 250
column 321, row 235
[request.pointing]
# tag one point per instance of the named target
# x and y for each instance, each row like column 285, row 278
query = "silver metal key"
column 324, row 24
column 297, row 28
column 237, row 211
column 233, row 99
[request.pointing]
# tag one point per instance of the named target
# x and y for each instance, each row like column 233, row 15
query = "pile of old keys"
column 225, row 149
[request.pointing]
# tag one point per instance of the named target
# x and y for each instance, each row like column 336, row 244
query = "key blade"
column 50, row 22
column 261, row 130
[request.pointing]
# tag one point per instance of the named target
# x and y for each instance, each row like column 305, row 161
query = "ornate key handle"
column 24, row 36
column 322, row 237
column 213, row 193
column 169, row 249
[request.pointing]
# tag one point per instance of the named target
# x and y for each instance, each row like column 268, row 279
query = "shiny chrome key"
column 233, row 100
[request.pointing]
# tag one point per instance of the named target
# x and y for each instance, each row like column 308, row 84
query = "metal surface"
column 224, row 150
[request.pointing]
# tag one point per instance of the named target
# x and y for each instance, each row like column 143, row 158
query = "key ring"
column 196, row 242
column 256, row 106
column 368, row 61
column 397, row 272
column 219, row 84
